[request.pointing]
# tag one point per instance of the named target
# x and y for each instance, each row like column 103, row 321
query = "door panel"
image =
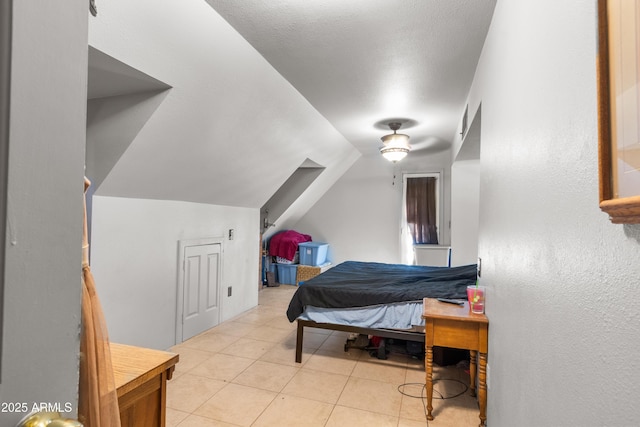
column 200, row 288
column 213, row 263
column 191, row 285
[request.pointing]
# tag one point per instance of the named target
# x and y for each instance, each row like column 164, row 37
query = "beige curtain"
column 98, row 401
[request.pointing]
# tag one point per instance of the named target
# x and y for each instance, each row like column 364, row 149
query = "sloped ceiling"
column 259, row 87
column 121, row 100
column 231, row 129
column 362, row 63
column 109, row 77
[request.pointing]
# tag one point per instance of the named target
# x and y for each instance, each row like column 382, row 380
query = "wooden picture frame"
column 618, row 68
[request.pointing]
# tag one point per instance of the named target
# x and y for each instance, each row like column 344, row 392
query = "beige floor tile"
column 174, row 417
column 316, row 385
column 417, row 363
column 281, row 322
column 415, row 374
column 268, row 333
column 273, row 309
column 266, row 376
column 385, row 371
column 459, row 412
column 343, row 416
column 236, row 329
column 413, row 402
column 249, row 348
column 411, row 423
column 187, row 392
column 370, row 395
column 256, row 318
column 196, row 421
column 222, row 367
column 319, row 331
column 449, row 387
column 189, row 358
column 286, row 355
column 210, row 342
column 336, row 342
column 294, row 411
column 311, row 340
column 257, row 348
column 236, row 404
column 335, row 363
column 280, row 301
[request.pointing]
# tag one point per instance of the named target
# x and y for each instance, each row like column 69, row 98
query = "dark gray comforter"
column 360, row 284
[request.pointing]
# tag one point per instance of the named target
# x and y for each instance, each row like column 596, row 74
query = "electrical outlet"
column 229, row 291
column 231, row 234
column 479, row 266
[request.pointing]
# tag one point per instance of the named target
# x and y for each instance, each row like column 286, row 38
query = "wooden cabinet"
column 141, row 376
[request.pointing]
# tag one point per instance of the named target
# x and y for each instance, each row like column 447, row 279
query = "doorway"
column 199, row 280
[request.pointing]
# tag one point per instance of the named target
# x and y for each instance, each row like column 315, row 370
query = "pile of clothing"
column 285, row 244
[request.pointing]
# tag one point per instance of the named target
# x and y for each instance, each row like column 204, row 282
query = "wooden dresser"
column 141, row 376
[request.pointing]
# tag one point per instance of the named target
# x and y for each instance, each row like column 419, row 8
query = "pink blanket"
column 285, row 244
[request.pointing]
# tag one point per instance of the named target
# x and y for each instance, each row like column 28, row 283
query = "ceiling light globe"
column 396, row 139
column 395, row 145
column 394, row 154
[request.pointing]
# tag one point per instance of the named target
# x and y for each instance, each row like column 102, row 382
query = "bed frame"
column 384, row 333
column 359, row 284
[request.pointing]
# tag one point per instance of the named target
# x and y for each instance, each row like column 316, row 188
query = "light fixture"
column 396, row 145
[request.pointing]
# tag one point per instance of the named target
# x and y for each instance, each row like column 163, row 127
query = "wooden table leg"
column 429, row 386
column 482, row 387
column 472, row 371
column 299, row 339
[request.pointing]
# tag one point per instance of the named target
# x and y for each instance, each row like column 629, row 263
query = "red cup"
column 475, row 295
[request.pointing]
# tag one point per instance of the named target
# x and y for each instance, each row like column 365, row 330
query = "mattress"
column 400, row 315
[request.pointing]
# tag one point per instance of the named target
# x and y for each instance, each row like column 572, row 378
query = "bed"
column 377, row 299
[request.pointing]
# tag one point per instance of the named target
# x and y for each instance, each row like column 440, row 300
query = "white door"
column 200, row 288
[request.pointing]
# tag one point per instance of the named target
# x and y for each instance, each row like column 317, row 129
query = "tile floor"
column 243, row 373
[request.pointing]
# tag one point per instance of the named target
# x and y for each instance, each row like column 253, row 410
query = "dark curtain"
column 421, row 210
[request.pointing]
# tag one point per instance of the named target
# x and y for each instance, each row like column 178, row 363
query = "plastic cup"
column 476, row 295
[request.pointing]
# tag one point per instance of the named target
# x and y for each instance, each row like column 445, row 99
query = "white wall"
column 41, row 319
column 228, row 118
column 219, row 143
column 360, row 215
column 465, row 202
column 134, row 257
column 562, row 280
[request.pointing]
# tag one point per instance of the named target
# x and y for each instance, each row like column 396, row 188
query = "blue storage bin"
column 273, row 269
column 287, row 273
column 313, row 253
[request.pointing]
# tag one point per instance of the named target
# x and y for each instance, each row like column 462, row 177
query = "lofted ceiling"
column 220, row 101
column 364, row 63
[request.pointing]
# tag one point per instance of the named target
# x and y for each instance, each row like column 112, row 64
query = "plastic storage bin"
column 313, row 253
column 287, row 273
column 296, row 259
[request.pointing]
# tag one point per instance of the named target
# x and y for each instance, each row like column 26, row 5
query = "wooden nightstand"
column 450, row 325
column 141, row 376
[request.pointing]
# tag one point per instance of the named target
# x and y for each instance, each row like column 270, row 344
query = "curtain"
column 98, row 400
column 421, row 210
